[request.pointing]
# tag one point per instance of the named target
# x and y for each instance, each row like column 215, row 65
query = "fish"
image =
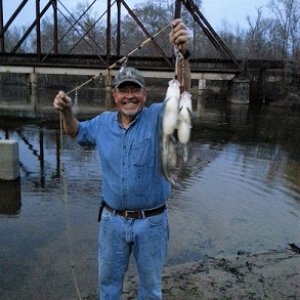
column 177, row 118
column 169, row 124
column 184, row 122
column 171, row 110
column 169, row 157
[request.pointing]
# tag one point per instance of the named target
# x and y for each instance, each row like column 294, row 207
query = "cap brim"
column 129, row 80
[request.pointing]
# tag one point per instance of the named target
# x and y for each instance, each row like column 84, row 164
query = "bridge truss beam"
column 56, row 5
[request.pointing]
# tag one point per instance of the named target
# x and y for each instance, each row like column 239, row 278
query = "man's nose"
column 129, row 94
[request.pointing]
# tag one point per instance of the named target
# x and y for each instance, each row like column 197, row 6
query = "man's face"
column 129, row 98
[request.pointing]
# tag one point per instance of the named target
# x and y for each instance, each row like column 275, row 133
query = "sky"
column 218, row 12
column 233, row 12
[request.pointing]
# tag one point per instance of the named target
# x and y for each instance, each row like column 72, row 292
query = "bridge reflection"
column 39, row 106
column 15, row 110
column 90, row 102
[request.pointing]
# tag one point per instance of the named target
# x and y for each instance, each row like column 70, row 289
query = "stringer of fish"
column 184, row 122
column 177, row 116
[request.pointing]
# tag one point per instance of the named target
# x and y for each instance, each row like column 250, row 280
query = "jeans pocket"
column 158, row 220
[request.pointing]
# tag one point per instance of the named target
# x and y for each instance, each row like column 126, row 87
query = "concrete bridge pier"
column 201, row 86
column 33, row 83
column 108, row 83
column 9, row 160
column 239, row 90
column 199, row 106
column 34, row 101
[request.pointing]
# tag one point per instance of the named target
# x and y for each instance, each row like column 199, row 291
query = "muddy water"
column 240, row 191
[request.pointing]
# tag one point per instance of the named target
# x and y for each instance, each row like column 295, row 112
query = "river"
column 239, row 192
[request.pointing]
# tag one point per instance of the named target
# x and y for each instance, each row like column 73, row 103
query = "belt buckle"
column 128, row 212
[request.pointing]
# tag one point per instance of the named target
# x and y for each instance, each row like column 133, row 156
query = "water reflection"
column 239, row 191
column 10, row 197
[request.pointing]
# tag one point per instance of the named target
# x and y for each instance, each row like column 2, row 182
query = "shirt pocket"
column 142, row 153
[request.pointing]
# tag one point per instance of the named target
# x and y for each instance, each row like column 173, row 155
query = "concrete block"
column 9, row 160
column 202, row 84
column 239, row 91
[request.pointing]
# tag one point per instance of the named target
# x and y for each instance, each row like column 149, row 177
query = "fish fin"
column 185, row 154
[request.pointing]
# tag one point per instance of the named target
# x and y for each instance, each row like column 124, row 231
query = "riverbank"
column 273, row 275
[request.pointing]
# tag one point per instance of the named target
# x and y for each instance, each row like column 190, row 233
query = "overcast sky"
column 233, row 12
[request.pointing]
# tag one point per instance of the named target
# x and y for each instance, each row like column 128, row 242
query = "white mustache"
column 129, row 101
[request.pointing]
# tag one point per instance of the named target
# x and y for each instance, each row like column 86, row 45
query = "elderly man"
column 133, row 212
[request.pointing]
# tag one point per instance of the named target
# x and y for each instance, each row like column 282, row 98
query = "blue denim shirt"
column 130, row 158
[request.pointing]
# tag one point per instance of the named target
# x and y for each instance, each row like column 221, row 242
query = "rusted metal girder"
column 34, row 24
column 2, row 46
column 146, row 32
column 108, row 32
column 77, row 21
column 189, row 5
column 11, row 19
column 177, row 11
column 119, row 28
column 208, row 30
column 3, row 28
column 55, row 27
column 38, row 29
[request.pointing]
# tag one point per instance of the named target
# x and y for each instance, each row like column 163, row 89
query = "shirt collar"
column 136, row 117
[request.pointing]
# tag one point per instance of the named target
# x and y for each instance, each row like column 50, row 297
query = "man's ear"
column 113, row 93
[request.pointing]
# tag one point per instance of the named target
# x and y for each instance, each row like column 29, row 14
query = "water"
column 239, row 192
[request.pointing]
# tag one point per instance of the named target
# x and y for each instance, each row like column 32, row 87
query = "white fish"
column 171, row 111
column 169, row 123
column 169, row 157
column 184, row 122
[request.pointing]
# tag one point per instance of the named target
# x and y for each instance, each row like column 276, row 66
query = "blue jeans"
column 146, row 239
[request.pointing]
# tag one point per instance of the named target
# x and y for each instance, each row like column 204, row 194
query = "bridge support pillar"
column 108, row 82
column 239, row 90
column 9, row 160
column 33, row 83
column 201, row 86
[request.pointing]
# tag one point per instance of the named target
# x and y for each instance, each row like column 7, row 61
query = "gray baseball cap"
column 129, row 74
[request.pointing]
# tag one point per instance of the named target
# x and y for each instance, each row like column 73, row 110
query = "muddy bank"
column 272, row 275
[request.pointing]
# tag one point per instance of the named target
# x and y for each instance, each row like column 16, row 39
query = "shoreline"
column 270, row 275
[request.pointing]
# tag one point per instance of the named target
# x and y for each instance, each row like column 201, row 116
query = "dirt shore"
column 274, row 275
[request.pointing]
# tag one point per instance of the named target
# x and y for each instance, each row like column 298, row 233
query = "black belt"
column 137, row 214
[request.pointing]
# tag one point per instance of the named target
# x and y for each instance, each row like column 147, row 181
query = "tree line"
column 275, row 35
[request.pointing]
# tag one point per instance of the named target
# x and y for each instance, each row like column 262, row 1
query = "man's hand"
column 62, row 102
column 179, row 34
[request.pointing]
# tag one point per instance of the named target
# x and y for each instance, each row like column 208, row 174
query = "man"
column 134, row 190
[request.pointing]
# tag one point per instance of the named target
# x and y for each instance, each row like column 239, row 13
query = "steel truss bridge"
column 54, row 62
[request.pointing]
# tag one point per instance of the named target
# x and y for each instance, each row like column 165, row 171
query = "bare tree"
column 256, row 37
column 12, row 37
column 287, row 14
column 154, row 16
